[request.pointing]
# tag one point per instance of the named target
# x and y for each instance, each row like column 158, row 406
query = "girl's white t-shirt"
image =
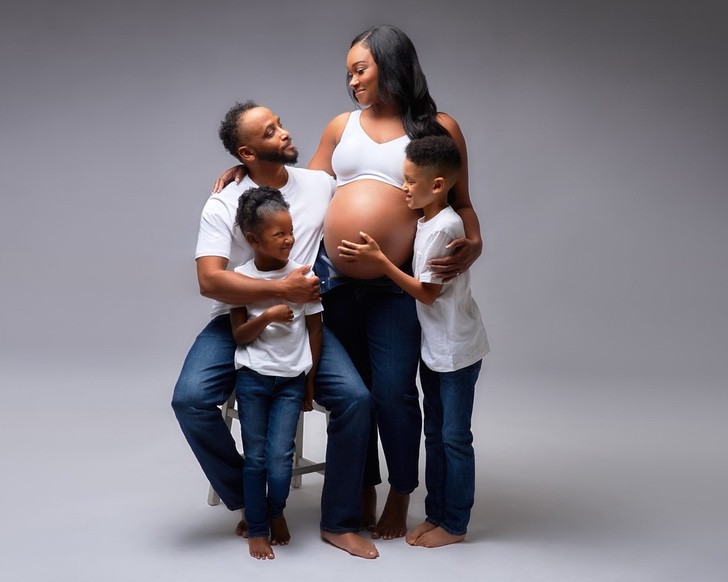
column 282, row 349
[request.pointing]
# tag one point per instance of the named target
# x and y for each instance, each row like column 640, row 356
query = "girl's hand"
column 352, row 252
column 236, row 173
column 464, row 255
column 280, row 312
column 307, row 404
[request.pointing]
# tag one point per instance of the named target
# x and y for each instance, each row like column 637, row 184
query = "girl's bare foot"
column 352, row 543
column 279, row 534
column 260, row 549
column 437, row 537
column 414, row 535
column 369, row 507
column 393, row 522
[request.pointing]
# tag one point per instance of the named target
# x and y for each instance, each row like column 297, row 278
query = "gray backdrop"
column 597, row 136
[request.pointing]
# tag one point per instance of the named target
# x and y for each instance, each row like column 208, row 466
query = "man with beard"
column 255, row 136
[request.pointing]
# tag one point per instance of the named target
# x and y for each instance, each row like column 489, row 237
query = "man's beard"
column 279, row 157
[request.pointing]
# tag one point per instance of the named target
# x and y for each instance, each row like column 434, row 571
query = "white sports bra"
column 358, row 157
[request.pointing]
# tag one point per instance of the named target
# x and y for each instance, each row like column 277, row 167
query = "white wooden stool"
column 301, row 464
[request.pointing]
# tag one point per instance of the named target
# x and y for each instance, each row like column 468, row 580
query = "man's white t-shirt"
column 453, row 334
column 282, row 349
column 308, row 192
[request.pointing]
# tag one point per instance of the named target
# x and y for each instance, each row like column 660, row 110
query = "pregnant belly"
column 378, row 209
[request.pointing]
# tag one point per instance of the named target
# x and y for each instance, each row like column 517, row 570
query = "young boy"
column 454, row 341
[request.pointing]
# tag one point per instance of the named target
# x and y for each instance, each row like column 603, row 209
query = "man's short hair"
column 229, row 131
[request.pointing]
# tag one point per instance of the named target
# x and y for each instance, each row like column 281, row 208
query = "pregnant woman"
column 373, row 318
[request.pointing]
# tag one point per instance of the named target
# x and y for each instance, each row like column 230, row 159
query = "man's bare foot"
column 242, row 528
column 352, row 543
column 414, row 535
column 260, row 549
column 436, row 538
column 393, row 522
column 369, row 507
column 279, row 534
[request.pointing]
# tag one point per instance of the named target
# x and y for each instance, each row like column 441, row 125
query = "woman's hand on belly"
column 465, row 253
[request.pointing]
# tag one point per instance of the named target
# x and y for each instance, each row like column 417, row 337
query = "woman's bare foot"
column 260, row 549
column 437, row 537
column 369, row 507
column 279, row 534
column 393, row 522
column 242, row 528
column 414, row 535
column 352, row 543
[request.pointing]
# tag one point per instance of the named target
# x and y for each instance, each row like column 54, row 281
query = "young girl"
column 279, row 346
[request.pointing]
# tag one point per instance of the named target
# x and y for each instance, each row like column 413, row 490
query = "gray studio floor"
column 619, row 488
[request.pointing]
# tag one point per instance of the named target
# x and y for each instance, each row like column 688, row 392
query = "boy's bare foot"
column 436, row 538
column 369, row 507
column 393, row 522
column 414, row 535
column 352, row 543
column 260, row 549
column 279, row 534
column 242, row 528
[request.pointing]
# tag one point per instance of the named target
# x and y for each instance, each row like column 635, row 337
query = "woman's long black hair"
column 402, row 84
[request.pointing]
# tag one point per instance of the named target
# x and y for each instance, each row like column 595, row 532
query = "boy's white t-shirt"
column 308, row 192
column 453, row 334
column 282, row 349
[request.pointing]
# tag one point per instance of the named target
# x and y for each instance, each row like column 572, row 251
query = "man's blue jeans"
column 208, row 378
column 377, row 324
column 449, row 455
column 268, row 407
